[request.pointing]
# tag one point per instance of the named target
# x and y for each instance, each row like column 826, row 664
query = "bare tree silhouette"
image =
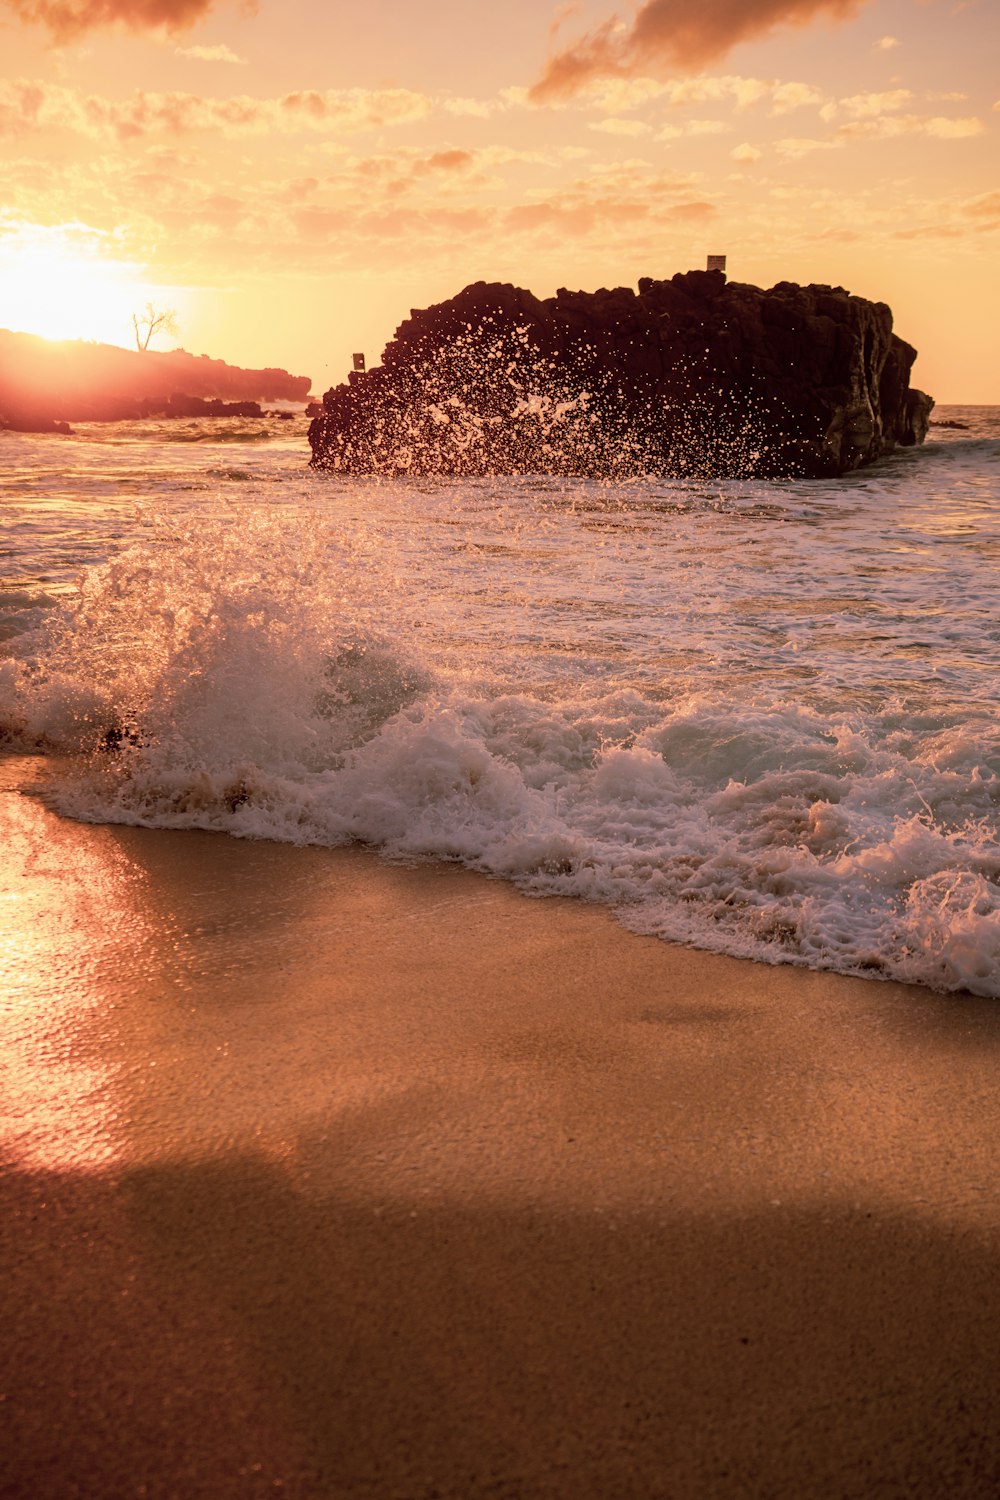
column 150, row 322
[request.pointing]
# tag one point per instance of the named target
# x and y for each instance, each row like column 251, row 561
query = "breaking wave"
column 248, row 676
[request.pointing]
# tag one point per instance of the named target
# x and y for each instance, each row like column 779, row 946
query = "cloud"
column 615, row 95
column 868, row 106
column 479, row 109
column 66, row 19
column 28, row 104
column 953, row 130
column 453, row 160
column 574, row 219
column 985, row 208
column 614, row 126
column 693, row 127
column 613, row 200
column 433, row 178
column 675, row 34
column 221, row 53
column 876, row 116
column 789, row 96
column 886, row 127
column 692, row 211
column 712, row 89
column 886, row 43
column 746, row 153
column 930, row 232
column 796, row 147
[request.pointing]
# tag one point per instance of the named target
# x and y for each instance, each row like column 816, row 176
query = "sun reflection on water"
column 63, row 901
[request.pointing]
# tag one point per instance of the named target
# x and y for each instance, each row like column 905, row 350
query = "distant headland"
column 690, row 376
column 45, row 385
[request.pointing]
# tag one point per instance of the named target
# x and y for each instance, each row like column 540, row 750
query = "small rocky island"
column 691, row 376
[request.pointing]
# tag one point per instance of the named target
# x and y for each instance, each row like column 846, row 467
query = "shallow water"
column 756, row 716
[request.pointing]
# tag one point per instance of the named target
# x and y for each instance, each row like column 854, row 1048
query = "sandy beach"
column 324, row 1177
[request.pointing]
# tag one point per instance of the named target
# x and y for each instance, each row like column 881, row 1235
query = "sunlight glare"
column 62, row 283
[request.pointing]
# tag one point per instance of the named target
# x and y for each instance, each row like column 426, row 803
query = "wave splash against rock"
column 691, row 376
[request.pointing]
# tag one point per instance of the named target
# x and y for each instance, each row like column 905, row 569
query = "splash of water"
column 243, row 678
column 489, row 400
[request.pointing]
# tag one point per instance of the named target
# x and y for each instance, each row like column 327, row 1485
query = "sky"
column 291, row 177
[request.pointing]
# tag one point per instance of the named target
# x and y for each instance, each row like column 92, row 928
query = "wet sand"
column 327, row 1178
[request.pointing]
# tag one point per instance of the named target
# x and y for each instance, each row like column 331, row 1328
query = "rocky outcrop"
column 177, row 406
column 691, row 376
column 44, row 384
column 19, row 419
column 197, row 406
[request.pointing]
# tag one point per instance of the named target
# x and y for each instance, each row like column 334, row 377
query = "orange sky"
column 293, row 177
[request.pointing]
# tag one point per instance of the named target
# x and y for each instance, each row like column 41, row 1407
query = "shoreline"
column 325, row 1176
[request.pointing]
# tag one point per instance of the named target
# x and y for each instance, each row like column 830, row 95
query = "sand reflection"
column 72, row 934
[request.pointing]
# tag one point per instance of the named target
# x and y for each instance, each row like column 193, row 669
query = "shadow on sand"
column 214, row 1331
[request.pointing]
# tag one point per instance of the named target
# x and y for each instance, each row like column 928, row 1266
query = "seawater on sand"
column 332, row 1178
column 758, row 717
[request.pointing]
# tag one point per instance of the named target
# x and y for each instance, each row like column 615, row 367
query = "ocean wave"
column 249, row 677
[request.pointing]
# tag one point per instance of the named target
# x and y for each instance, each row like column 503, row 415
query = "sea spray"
column 247, row 679
column 756, row 717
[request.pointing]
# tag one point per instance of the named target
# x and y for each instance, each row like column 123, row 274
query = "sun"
column 61, row 283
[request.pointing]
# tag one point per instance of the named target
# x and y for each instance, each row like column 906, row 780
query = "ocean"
column 756, row 717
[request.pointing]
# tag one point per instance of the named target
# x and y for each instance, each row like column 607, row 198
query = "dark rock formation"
column 196, row 406
column 43, row 384
column 34, row 419
column 692, row 376
column 16, row 419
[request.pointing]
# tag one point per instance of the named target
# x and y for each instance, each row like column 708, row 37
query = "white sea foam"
column 757, row 718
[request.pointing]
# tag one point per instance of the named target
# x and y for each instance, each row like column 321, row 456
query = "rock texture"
column 691, row 376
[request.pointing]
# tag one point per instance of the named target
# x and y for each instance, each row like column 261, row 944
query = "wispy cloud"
column 28, row 104
column 886, row 127
column 788, row 96
column 616, row 96
column 744, row 93
column 220, row 53
column 795, row 148
column 693, row 128
column 945, row 129
column 985, row 208
column 66, row 19
column 867, row 106
column 675, row 34
column 616, row 126
column 478, row 109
